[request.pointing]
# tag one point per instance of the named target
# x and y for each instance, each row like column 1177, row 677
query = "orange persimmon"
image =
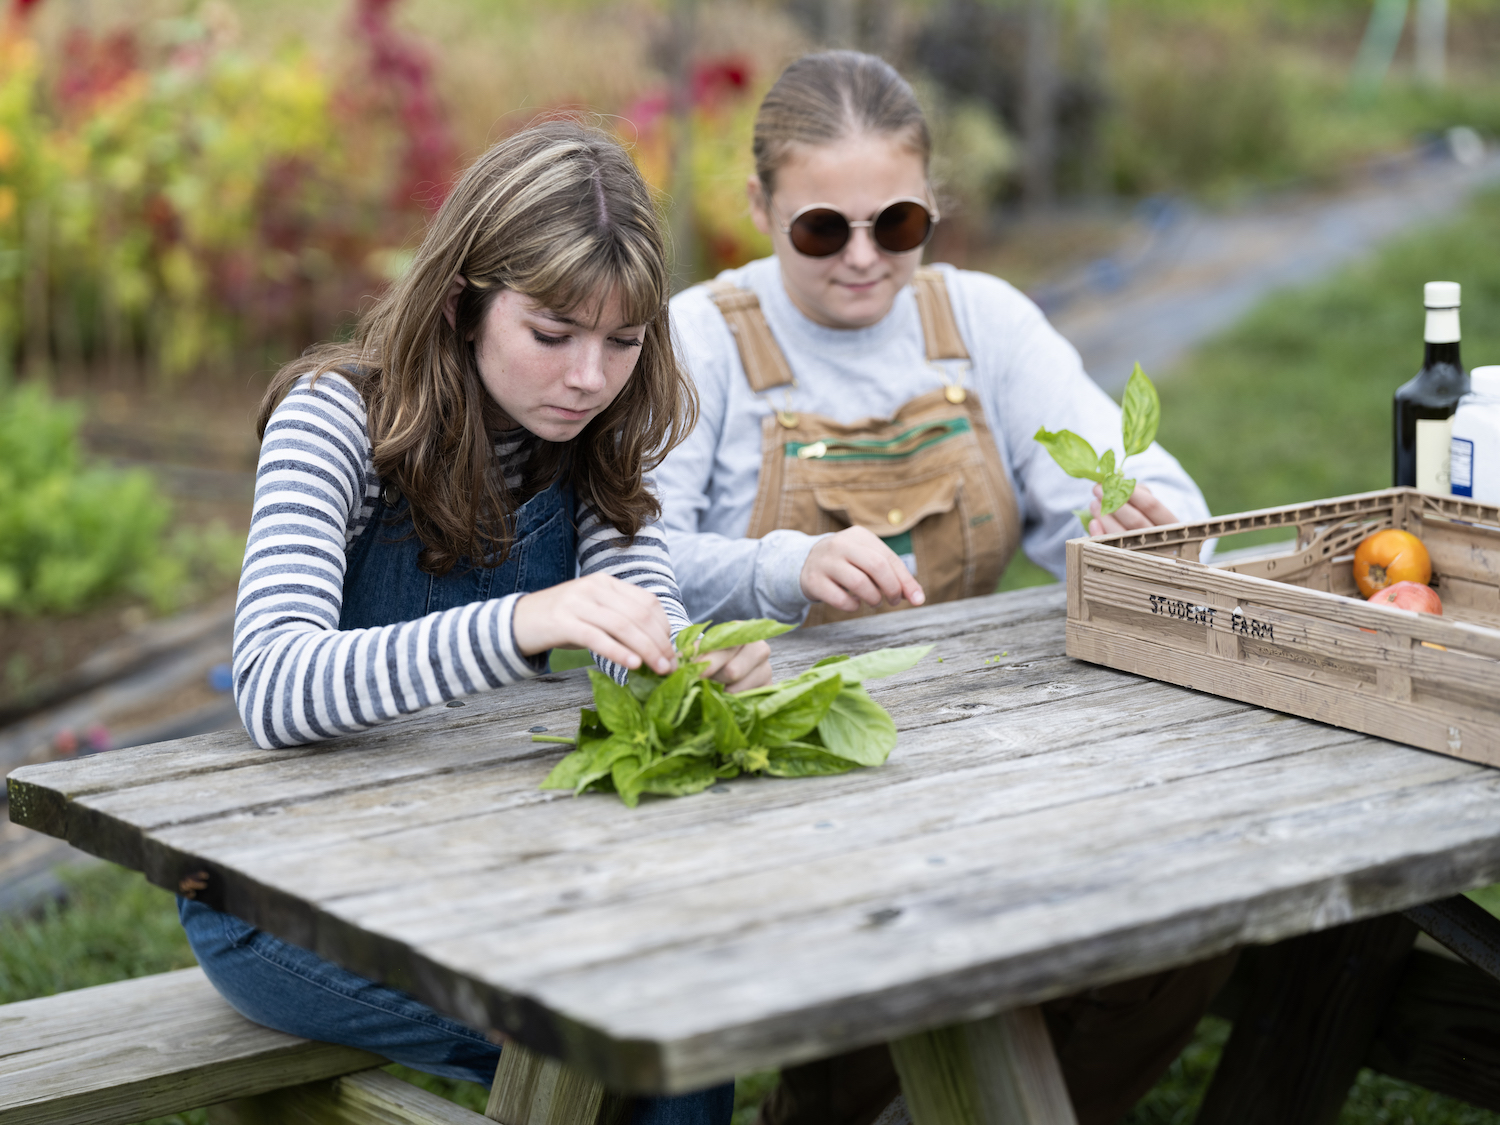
column 1388, row 557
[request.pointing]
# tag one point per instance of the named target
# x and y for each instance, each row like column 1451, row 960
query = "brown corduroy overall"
column 930, row 483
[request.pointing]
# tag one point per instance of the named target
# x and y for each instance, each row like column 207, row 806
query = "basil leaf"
column 683, row 642
column 1107, row 463
column 685, row 712
column 566, row 774
column 751, row 759
column 1117, row 491
column 672, row 777
column 602, row 760
column 880, row 663
column 663, row 704
column 1073, row 454
column 589, row 725
column 700, row 744
column 641, row 683
column 718, row 715
column 617, row 707
column 797, row 759
column 827, row 660
column 787, row 716
column 813, row 673
column 858, row 729
column 734, row 633
column 623, row 773
column 1141, row 413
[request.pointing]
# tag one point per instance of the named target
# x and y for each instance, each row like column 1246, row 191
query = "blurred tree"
column 1432, row 41
column 1008, row 55
column 1039, row 106
column 1378, row 47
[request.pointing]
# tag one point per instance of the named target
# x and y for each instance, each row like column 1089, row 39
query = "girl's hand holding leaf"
column 1119, row 504
column 1142, row 510
column 740, row 668
column 619, row 621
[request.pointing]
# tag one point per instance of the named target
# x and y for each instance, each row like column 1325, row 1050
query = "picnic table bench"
column 1044, row 826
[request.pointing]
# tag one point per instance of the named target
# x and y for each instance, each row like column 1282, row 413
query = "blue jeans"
column 287, row 988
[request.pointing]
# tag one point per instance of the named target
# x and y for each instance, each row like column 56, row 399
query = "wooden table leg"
column 533, row 1089
column 997, row 1071
column 1310, row 1009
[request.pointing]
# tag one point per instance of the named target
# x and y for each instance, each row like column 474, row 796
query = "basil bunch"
column 678, row 734
column 1140, row 415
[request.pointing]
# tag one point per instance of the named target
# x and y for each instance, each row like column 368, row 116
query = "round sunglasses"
column 820, row 230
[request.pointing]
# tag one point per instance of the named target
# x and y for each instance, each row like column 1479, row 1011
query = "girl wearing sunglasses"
column 865, row 443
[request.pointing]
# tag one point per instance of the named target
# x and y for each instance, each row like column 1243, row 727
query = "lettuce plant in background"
column 72, row 534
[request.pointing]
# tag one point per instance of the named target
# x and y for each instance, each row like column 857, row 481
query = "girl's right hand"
column 615, row 619
column 854, row 566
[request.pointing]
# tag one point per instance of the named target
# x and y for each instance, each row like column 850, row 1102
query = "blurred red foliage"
column 403, row 70
column 93, row 67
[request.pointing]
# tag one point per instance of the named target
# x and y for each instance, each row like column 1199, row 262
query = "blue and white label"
column 1461, row 467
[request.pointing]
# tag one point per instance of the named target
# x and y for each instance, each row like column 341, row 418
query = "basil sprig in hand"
column 1140, row 416
column 678, row 734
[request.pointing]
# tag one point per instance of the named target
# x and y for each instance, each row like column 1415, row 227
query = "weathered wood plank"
column 123, row 1052
column 532, row 1089
column 371, row 1097
column 998, row 1071
column 546, row 831
column 1306, row 1024
column 1438, row 724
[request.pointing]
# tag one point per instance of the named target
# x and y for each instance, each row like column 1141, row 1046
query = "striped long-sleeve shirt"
column 299, row 678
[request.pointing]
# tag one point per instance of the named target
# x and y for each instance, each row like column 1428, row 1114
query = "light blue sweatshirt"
column 1026, row 375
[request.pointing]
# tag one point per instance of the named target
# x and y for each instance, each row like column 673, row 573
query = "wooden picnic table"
column 1045, row 825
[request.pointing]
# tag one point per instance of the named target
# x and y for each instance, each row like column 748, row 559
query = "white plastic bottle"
column 1475, row 468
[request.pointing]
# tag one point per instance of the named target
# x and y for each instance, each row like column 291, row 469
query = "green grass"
column 1294, row 403
column 115, row 925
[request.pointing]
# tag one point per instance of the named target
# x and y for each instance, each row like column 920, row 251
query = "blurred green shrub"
column 72, row 534
column 1207, row 119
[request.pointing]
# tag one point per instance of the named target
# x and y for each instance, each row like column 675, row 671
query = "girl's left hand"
column 742, row 668
column 1142, row 510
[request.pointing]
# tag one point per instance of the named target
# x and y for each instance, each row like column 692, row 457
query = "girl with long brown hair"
column 447, row 497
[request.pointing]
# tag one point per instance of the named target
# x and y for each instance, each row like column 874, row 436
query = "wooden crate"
column 1291, row 632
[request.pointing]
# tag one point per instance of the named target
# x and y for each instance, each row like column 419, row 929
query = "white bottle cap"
column 1441, row 294
column 1485, row 381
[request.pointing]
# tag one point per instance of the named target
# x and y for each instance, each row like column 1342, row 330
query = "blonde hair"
column 560, row 214
column 825, row 97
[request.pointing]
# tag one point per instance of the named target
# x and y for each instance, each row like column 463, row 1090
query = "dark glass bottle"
column 1424, row 407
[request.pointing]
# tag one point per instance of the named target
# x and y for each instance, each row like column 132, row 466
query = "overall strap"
column 765, row 364
column 939, row 328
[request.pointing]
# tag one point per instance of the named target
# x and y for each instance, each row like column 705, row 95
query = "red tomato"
column 1388, row 557
column 1409, row 595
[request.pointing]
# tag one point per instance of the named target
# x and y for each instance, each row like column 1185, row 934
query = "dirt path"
column 1192, row 274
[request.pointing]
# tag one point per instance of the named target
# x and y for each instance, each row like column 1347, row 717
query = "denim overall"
column 287, row 988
